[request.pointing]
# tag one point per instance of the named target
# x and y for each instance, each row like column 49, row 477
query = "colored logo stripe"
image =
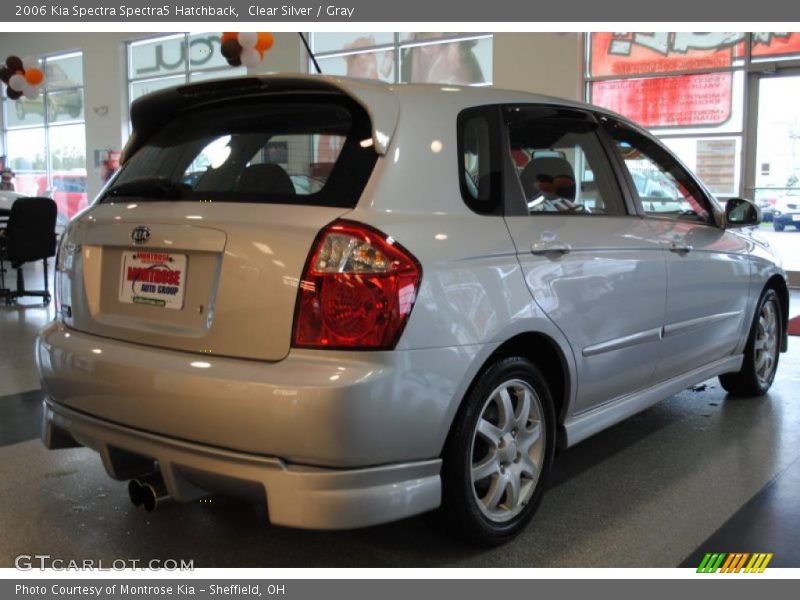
column 735, row 562
column 711, row 563
column 758, row 563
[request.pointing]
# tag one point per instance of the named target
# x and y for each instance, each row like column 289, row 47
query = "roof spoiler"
column 151, row 112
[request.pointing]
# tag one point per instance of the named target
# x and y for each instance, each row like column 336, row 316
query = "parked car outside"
column 767, row 206
column 473, row 282
column 787, row 211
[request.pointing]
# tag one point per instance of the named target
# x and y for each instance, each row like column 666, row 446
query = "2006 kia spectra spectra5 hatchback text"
column 361, row 302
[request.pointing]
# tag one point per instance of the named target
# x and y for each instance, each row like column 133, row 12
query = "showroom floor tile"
column 648, row 492
column 768, row 523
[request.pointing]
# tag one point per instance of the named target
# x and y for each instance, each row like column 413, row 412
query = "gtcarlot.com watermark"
column 41, row 562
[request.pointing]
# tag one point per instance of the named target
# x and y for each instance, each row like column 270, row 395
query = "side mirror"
column 742, row 213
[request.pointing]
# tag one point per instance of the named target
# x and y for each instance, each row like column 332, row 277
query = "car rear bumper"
column 296, row 496
column 322, row 408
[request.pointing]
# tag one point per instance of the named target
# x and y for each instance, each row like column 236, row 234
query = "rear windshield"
column 298, row 150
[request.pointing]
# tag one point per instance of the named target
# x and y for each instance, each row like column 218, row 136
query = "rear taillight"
column 357, row 290
column 64, row 258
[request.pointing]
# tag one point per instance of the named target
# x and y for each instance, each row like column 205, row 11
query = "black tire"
column 747, row 381
column 460, row 504
column 778, row 226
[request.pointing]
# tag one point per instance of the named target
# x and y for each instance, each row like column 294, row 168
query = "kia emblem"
column 140, row 235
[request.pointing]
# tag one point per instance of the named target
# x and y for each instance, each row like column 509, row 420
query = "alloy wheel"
column 508, row 450
column 766, row 343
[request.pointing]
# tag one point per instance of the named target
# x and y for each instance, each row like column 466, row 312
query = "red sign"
column 625, row 53
column 662, row 52
column 775, row 44
column 678, row 101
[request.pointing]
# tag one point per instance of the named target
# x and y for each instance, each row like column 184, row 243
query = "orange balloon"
column 265, row 42
column 228, row 35
column 34, row 76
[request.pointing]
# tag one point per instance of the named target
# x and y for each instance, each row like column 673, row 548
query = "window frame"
column 397, row 48
column 187, row 73
column 47, row 124
column 514, row 201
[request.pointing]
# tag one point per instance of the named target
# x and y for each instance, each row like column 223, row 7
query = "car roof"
column 384, row 102
column 418, row 96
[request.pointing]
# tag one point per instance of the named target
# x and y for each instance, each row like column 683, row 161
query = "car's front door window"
column 664, row 188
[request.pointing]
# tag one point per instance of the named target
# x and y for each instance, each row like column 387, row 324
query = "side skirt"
column 581, row 426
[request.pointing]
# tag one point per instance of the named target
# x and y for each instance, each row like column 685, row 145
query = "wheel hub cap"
column 508, row 449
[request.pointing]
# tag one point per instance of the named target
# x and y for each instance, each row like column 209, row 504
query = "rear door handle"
column 550, row 248
column 679, row 247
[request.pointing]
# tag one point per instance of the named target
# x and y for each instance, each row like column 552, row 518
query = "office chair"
column 30, row 235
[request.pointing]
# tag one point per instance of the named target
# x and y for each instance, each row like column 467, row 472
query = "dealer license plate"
column 153, row 279
column 795, row 217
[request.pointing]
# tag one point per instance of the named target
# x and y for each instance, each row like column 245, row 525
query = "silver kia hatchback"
column 358, row 302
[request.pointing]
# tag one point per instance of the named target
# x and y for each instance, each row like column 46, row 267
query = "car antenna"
column 310, row 53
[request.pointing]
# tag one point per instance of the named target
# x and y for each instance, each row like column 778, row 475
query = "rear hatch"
column 199, row 242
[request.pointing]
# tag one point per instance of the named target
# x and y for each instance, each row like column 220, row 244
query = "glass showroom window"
column 689, row 89
column 453, row 58
column 45, row 138
column 162, row 62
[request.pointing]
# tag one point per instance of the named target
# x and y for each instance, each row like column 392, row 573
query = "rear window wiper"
column 150, row 187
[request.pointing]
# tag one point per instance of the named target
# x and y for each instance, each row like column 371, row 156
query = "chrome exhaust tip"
column 136, row 492
column 148, row 492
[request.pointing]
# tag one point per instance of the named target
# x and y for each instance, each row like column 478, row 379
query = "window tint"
column 561, row 166
column 308, row 151
column 479, row 175
column 664, row 187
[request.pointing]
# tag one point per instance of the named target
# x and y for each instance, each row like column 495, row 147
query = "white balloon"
column 248, row 39
column 250, row 57
column 17, row 82
column 30, row 62
column 31, row 92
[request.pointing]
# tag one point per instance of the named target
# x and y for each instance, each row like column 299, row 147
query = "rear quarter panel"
column 473, row 291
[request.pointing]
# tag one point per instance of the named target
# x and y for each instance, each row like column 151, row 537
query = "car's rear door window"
column 560, row 164
column 300, row 151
